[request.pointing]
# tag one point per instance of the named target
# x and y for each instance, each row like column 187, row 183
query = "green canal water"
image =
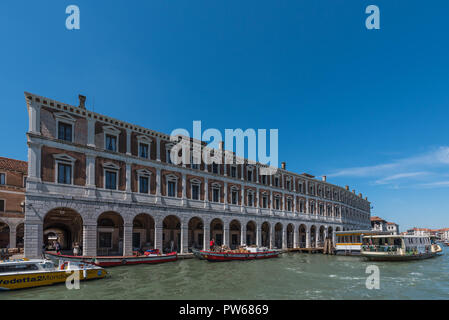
column 292, row 276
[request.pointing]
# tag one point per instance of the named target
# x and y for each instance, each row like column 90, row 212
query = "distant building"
column 379, row 224
column 12, row 196
column 392, row 227
column 424, row 232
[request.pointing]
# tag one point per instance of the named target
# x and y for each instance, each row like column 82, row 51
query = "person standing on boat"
column 58, row 247
column 212, row 244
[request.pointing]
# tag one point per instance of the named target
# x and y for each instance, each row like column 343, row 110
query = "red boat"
column 217, row 256
column 112, row 261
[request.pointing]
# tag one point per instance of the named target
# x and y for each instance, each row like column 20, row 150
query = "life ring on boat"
column 63, row 265
column 124, row 261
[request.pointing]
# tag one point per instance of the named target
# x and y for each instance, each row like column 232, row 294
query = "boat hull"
column 38, row 279
column 394, row 257
column 113, row 261
column 235, row 256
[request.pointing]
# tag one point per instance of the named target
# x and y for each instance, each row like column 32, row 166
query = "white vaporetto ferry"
column 398, row 247
column 349, row 242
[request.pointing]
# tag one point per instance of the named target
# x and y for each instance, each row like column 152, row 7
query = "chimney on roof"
column 221, row 145
column 347, row 188
column 283, row 165
column 353, row 191
column 360, row 195
column 324, row 178
column 82, row 101
column 366, row 198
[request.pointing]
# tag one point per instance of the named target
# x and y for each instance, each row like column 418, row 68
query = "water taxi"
column 243, row 253
column 398, row 247
column 24, row 273
column 113, row 261
column 349, row 242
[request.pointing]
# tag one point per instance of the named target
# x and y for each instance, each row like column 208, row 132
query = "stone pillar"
column 206, row 193
column 258, row 236
column 34, row 114
column 158, row 236
column 242, row 234
column 225, row 193
column 128, row 141
column 296, row 237
column 206, row 235
column 185, row 237
column 158, row 185
column 226, row 235
column 307, row 237
column 34, row 235
column 272, row 236
column 128, row 182
column 243, row 170
column 90, row 175
column 128, row 239
column 34, row 162
column 184, row 189
column 90, row 239
column 284, row 237
column 91, row 132
column 158, row 149
column 12, row 236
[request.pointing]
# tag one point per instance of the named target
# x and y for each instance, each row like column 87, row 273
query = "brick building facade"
column 12, row 198
column 111, row 186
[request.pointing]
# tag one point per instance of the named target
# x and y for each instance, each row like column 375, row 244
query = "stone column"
column 12, row 236
column 258, row 235
column 272, row 236
column 34, row 114
column 243, row 170
column 128, row 178
column 128, row 141
column 184, row 189
column 242, row 234
column 158, row 149
column 90, row 170
column 34, row 162
column 206, row 235
column 284, row 237
column 91, row 132
column 158, row 185
column 206, row 193
column 296, row 237
column 33, row 234
column 158, row 230
column 185, row 237
column 226, row 235
column 90, row 239
column 128, row 239
column 307, row 237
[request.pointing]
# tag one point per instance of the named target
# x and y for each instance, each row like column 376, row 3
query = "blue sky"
column 368, row 108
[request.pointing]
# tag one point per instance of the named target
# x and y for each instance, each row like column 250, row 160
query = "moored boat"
column 112, row 261
column 246, row 253
column 398, row 248
column 349, row 242
column 24, row 273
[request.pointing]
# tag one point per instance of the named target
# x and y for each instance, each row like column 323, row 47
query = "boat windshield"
column 23, row 267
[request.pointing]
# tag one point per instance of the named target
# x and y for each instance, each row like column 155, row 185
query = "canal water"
column 292, row 276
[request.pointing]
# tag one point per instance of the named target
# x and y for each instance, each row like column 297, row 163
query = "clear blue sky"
column 369, row 108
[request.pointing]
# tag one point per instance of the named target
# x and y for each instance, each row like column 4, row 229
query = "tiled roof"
column 376, row 219
column 12, row 164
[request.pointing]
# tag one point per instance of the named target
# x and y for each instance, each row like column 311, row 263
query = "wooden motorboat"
column 398, row 248
column 24, row 273
column 247, row 253
column 112, row 261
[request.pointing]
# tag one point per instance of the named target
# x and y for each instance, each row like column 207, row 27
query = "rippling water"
column 292, row 276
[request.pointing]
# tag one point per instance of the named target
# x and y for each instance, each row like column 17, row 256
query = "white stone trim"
column 112, row 131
